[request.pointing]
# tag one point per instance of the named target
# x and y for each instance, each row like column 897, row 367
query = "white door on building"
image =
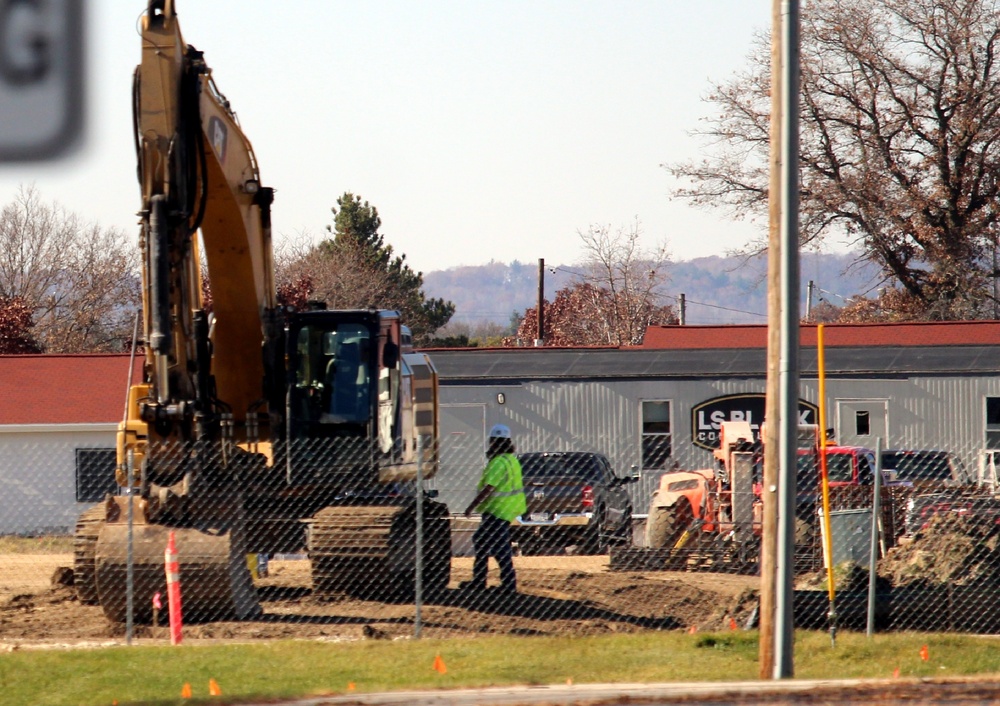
column 862, row 422
column 463, row 453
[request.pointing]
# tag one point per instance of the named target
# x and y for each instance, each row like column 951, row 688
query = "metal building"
column 917, row 386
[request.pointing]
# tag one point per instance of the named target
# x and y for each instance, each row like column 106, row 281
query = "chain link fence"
column 313, row 542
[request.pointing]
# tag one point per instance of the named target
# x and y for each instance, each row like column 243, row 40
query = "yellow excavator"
column 256, row 429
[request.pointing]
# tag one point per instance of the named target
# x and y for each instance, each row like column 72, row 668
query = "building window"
column 993, row 422
column 656, row 447
column 862, row 423
column 95, row 474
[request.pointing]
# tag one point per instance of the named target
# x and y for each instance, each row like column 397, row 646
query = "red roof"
column 932, row 333
column 64, row 389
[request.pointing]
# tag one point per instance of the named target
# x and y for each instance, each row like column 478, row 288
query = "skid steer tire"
column 667, row 524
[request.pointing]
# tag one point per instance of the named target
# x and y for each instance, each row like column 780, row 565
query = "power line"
column 667, row 296
column 716, row 306
column 564, row 269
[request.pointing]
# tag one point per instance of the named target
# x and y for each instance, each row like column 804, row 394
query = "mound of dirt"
column 847, row 578
column 952, row 549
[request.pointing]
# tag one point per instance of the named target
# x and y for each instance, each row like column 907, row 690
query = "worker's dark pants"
column 492, row 539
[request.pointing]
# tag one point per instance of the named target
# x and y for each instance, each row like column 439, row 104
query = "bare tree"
column 900, row 145
column 339, row 277
column 617, row 296
column 578, row 316
column 625, row 282
column 79, row 281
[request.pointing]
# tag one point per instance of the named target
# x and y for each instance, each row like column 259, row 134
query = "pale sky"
column 480, row 130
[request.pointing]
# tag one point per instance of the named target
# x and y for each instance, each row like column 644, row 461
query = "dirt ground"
column 558, row 595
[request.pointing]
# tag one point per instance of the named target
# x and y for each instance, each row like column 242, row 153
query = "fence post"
column 873, row 551
column 130, row 558
column 418, row 558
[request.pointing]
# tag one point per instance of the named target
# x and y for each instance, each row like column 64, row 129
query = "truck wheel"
column 595, row 540
column 531, row 545
column 624, row 535
column 667, row 524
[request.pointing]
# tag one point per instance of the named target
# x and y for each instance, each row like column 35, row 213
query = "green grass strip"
column 284, row 669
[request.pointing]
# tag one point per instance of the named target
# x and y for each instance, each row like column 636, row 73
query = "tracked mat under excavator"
column 368, row 551
column 215, row 582
column 88, row 528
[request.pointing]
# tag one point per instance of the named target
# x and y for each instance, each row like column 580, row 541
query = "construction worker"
column 500, row 499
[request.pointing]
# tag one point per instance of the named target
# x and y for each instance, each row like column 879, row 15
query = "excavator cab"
column 357, row 400
column 333, row 380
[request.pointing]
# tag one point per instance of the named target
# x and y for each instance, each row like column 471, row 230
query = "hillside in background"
column 718, row 290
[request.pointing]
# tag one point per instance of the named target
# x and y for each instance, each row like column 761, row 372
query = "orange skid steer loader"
column 710, row 514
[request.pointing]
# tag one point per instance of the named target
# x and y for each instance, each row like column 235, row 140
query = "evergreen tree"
column 356, row 268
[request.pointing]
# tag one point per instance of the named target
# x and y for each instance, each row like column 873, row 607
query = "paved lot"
column 898, row 691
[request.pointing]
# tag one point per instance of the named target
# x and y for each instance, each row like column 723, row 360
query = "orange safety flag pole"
column 825, row 483
column 173, row 569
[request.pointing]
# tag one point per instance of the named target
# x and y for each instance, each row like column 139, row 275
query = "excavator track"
column 214, row 578
column 368, row 551
column 88, row 527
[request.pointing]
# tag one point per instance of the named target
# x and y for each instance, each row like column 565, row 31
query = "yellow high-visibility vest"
column 507, row 501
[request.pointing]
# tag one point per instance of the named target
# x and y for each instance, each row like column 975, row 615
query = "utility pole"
column 784, row 632
column 772, row 411
column 540, row 333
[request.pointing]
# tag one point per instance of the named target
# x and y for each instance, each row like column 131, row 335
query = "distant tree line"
column 65, row 286
column 70, row 287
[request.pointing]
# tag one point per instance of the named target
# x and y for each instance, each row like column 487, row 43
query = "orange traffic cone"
column 439, row 665
column 925, row 653
column 692, row 630
column 350, row 686
column 186, row 691
column 895, row 673
column 213, row 688
column 732, row 624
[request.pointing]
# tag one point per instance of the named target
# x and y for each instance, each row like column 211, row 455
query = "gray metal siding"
column 591, row 400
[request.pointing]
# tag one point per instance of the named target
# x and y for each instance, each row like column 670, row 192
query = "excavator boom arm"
column 197, row 171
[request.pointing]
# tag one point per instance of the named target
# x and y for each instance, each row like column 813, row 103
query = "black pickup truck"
column 574, row 499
